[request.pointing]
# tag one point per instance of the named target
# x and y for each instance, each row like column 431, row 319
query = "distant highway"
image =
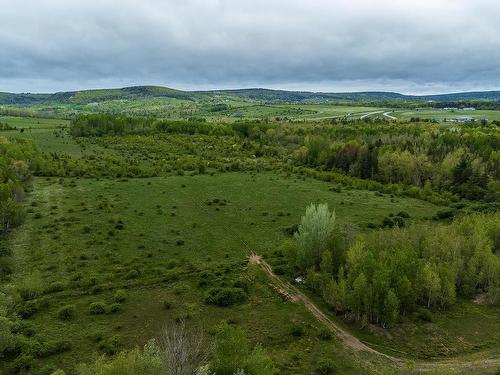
column 370, row 114
column 386, row 114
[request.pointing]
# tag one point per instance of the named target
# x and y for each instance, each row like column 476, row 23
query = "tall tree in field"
column 391, row 308
column 313, row 235
column 429, row 283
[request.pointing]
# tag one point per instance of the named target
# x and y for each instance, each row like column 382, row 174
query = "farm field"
column 228, row 108
column 441, row 115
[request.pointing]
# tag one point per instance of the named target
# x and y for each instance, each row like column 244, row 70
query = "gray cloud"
column 335, row 45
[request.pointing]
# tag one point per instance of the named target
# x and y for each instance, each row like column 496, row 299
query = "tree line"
column 18, row 161
column 104, row 124
column 379, row 276
column 424, row 159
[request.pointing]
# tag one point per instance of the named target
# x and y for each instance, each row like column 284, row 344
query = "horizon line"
column 438, row 93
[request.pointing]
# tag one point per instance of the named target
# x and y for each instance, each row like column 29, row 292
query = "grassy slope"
column 57, row 245
column 243, row 104
column 62, row 251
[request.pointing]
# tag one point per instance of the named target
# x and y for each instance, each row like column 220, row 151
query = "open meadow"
column 126, row 233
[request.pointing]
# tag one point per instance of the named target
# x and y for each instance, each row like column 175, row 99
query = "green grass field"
column 239, row 109
column 162, row 249
column 167, row 240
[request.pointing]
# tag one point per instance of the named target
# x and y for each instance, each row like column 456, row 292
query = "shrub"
column 134, row 362
column 110, row 346
column 291, row 230
column 55, row 347
column 297, row 330
column 7, row 340
column 23, row 327
column 47, row 370
column 115, row 307
column 120, row 296
column 232, row 354
column 225, row 296
column 398, row 221
column 97, row 308
column 403, row 214
column 31, row 286
column 425, row 315
column 22, row 363
column 6, row 266
column 325, row 334
column 66, row 312
column 96, row 289
column 56, row 286
column 388, row 222
column 280, row 269
column 242, row 283
column 5, row 250
column 444, row 214
column 27, row 309
column 325, row 366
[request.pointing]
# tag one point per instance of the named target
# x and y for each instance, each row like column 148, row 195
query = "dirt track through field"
column 370, row 114
column 292, row 294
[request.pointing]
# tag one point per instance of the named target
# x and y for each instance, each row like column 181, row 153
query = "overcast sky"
column 410, row 46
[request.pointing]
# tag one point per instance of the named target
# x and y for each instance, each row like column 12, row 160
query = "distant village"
column 452, row 109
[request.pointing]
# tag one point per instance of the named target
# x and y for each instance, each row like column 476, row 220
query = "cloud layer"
column 333, row 45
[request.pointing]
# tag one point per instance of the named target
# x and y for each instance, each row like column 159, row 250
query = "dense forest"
column 422, row 159
column 377, row 276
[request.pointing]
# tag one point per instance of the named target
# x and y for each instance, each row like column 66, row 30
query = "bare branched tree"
column 185, row 349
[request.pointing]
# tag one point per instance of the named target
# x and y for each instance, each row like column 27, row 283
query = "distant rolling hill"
column 255, row 94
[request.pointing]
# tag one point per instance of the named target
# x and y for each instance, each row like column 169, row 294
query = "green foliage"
column 66, row 312
column 325, row 334
column 258, row 362
column 223, row 296
column 393, row 271
column 325, row 366
column 18, row 160
column 97, row 308
column 115, row 307
column 99, row 125
column 231, row 350
column 120, row 296
column 314, row 233
column 7, row 339
column 232, row 354
column 297, row 330
column 134, row 362
column 366, row 170
column 31, row 286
